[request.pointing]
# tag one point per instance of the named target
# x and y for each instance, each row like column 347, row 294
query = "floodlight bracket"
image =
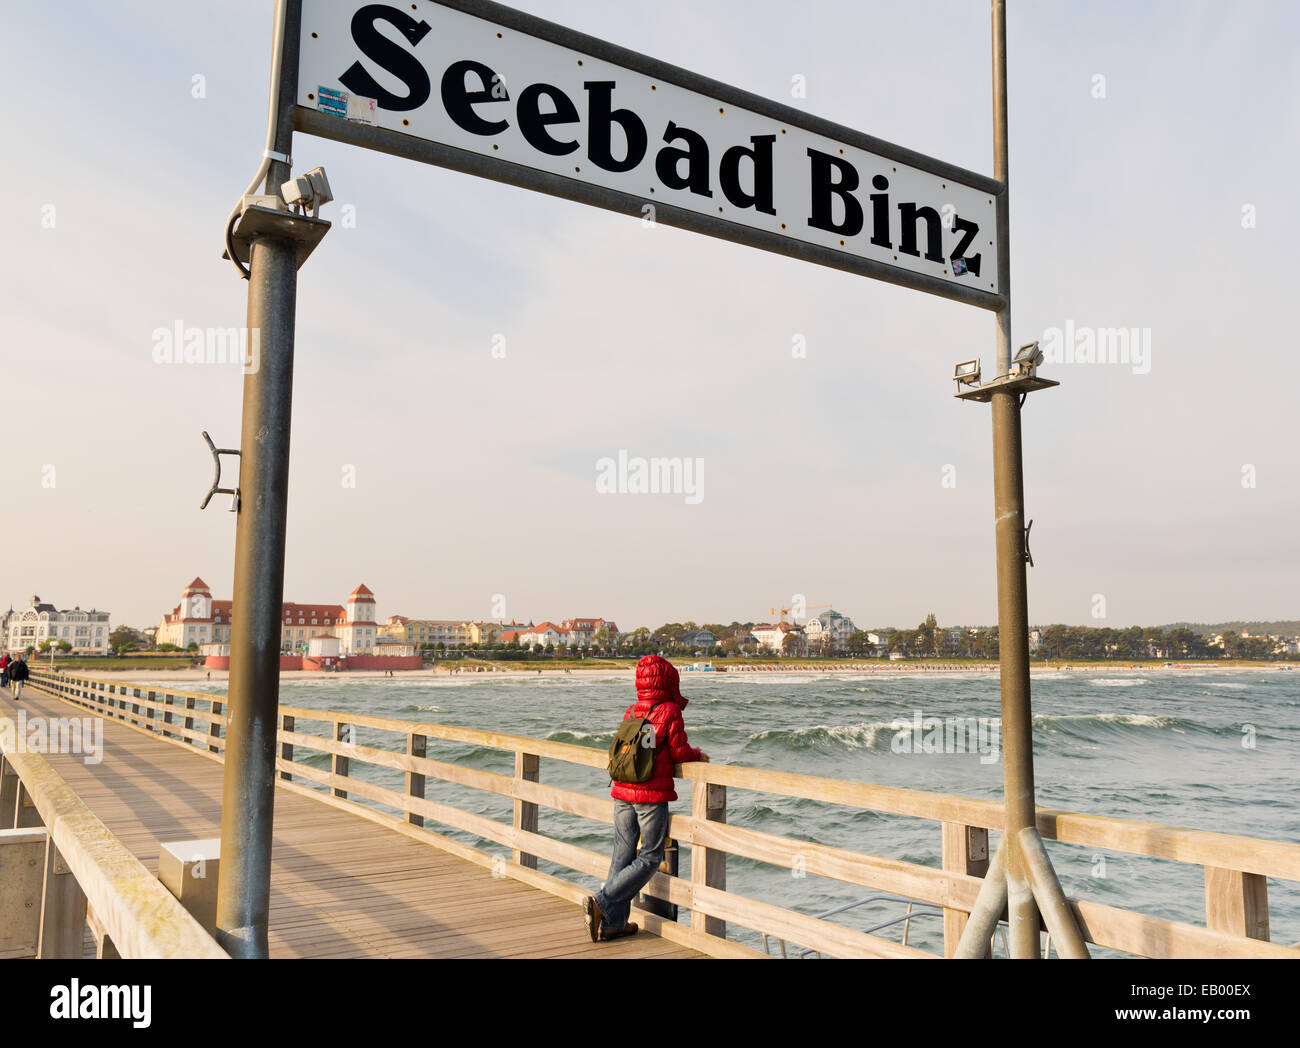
column 1006, row 383
column 257, row 221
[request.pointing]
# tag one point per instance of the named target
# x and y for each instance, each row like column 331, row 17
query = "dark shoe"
column 592, row 917
column 618, row 933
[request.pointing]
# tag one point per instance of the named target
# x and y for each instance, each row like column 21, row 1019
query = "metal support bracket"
column 1022, row 384
column 216, row 488
column 304, row 231
column 1029, row 557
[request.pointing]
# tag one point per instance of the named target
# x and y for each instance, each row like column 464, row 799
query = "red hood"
column 657, row 680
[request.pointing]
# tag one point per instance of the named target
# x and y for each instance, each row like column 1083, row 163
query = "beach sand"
column 443, row 672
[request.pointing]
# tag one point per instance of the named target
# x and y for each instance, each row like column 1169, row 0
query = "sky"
column 1152, row 157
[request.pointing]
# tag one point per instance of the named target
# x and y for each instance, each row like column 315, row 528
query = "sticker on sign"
column 485, row 89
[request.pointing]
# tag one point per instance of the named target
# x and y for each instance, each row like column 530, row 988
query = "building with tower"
column 201, row 620
column 86, row 631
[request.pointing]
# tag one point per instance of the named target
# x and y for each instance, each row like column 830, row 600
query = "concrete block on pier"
column 188, row 869
column 22, row 871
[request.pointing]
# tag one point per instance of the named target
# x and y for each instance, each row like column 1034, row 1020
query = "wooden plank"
column 416, row 746
column 584, row 755
column 912, row 880
column 525, row 812
column 893, row 799
column 1236, row 903
column 1196, row 847
column 475, row 778
column 965, row 852
column 342, row 734
column 8, row 795
column 1146, row 936
column 834, row 940
column 286, row 748
column 708, row 864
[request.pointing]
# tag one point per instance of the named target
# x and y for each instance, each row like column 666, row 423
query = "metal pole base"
column 1041, row 888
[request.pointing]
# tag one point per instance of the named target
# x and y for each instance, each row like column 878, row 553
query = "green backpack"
column 632, row 753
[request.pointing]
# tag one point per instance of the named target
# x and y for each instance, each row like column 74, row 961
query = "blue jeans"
column 629, row 870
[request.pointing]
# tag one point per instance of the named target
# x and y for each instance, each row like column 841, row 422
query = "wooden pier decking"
column 341, row 885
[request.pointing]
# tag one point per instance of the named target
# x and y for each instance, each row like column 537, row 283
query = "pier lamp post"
column 1020, row 877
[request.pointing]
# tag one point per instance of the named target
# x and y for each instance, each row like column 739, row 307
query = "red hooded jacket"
column 657, row 681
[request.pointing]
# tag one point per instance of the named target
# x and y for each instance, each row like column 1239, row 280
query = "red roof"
column 197, row 586
column 329, row 612
column 362, row 592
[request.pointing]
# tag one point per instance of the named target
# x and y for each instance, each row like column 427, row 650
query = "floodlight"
column 967, row 373
column 308, row 191
column 322, row 186
column 1027, row 359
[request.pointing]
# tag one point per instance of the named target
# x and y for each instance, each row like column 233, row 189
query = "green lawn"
column 112, row 662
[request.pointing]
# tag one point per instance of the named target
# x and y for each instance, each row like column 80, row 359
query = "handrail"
column 1235, row 867
column 139, row 916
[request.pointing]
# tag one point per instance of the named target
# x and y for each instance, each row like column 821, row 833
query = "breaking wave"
column 828, row 738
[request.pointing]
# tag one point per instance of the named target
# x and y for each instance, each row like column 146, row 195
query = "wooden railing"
column 61, row 870
column 1235, row 868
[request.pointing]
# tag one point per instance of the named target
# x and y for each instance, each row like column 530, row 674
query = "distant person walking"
column 641, row 808
column 18, row 674
column 4, row 670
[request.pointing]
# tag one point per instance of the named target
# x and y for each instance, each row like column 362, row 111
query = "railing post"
column 63, row 909
column 416, row 746
column 167, row 713
column 149, row 710
column 214, row 729
column 965, row 850
column 526, row 770
column 189, row 721
column 1236, row 903
column 342, row 733
column 708, row 865
column 8, row 795
column 26, row 814
column 286, row 748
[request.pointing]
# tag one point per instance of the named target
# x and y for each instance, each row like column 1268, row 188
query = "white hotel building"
column 86, row 631
column 198, row 619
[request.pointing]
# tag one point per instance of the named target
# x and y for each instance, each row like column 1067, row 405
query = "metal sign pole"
column 1020, row 879
column 1009, row 514
column 248, row 790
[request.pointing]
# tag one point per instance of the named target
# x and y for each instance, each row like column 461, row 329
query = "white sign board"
column 489, row 90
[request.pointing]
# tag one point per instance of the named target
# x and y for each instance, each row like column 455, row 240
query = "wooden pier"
column 354, row 880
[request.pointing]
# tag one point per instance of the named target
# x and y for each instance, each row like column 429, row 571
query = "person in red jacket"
column 641, row 809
